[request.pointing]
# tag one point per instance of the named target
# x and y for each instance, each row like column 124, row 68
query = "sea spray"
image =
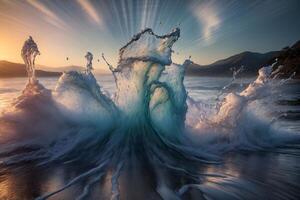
column 151, row 124
column 33, row 117
column 168, row 101
column 89, row 64
column 141, row 63
column 232, row 124
column 29, row 53
column 79, row 94
column 235, row 73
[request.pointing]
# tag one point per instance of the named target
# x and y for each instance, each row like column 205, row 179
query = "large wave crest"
column 150, row 121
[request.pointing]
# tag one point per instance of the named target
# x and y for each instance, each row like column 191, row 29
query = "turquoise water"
column 286, row 106
column 264, row 174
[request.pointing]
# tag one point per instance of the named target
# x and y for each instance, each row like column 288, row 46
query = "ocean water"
column 286, row 107
column 148, row 132
column 241, row 174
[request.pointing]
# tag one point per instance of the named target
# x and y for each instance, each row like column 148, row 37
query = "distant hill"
column 288, row 62
column 9, row 69
column 61, row 69
column 251, row 61
column 96, row 70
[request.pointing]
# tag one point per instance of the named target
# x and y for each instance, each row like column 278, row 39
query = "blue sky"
column 210, row 30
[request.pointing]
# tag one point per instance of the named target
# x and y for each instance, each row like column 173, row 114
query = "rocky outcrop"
column 288, row 62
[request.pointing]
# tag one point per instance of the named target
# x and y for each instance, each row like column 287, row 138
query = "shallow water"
column 244, row 175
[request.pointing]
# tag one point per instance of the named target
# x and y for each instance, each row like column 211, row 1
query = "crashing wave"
column 232, row 125
column 29, row 53
column 151, row 121
column 80, row 96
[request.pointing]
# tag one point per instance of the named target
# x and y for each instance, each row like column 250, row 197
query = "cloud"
column 50, row 16
column 87, row 6
column 207, row 16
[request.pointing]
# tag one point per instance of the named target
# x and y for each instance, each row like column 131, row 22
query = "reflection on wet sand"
column 258, row 175
column 244, row 175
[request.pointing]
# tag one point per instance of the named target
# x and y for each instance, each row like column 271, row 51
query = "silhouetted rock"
column 288, row 62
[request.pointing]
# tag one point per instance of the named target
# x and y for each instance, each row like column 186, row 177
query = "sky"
column 210, row 30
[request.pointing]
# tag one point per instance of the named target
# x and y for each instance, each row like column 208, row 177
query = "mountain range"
column 288, row 62
column 251, row 62
column 60, row 69
column 10, row 69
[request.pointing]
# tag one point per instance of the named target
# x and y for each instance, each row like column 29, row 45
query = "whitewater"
column 149, row 126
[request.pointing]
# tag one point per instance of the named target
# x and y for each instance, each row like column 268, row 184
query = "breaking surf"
column 150, row 126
